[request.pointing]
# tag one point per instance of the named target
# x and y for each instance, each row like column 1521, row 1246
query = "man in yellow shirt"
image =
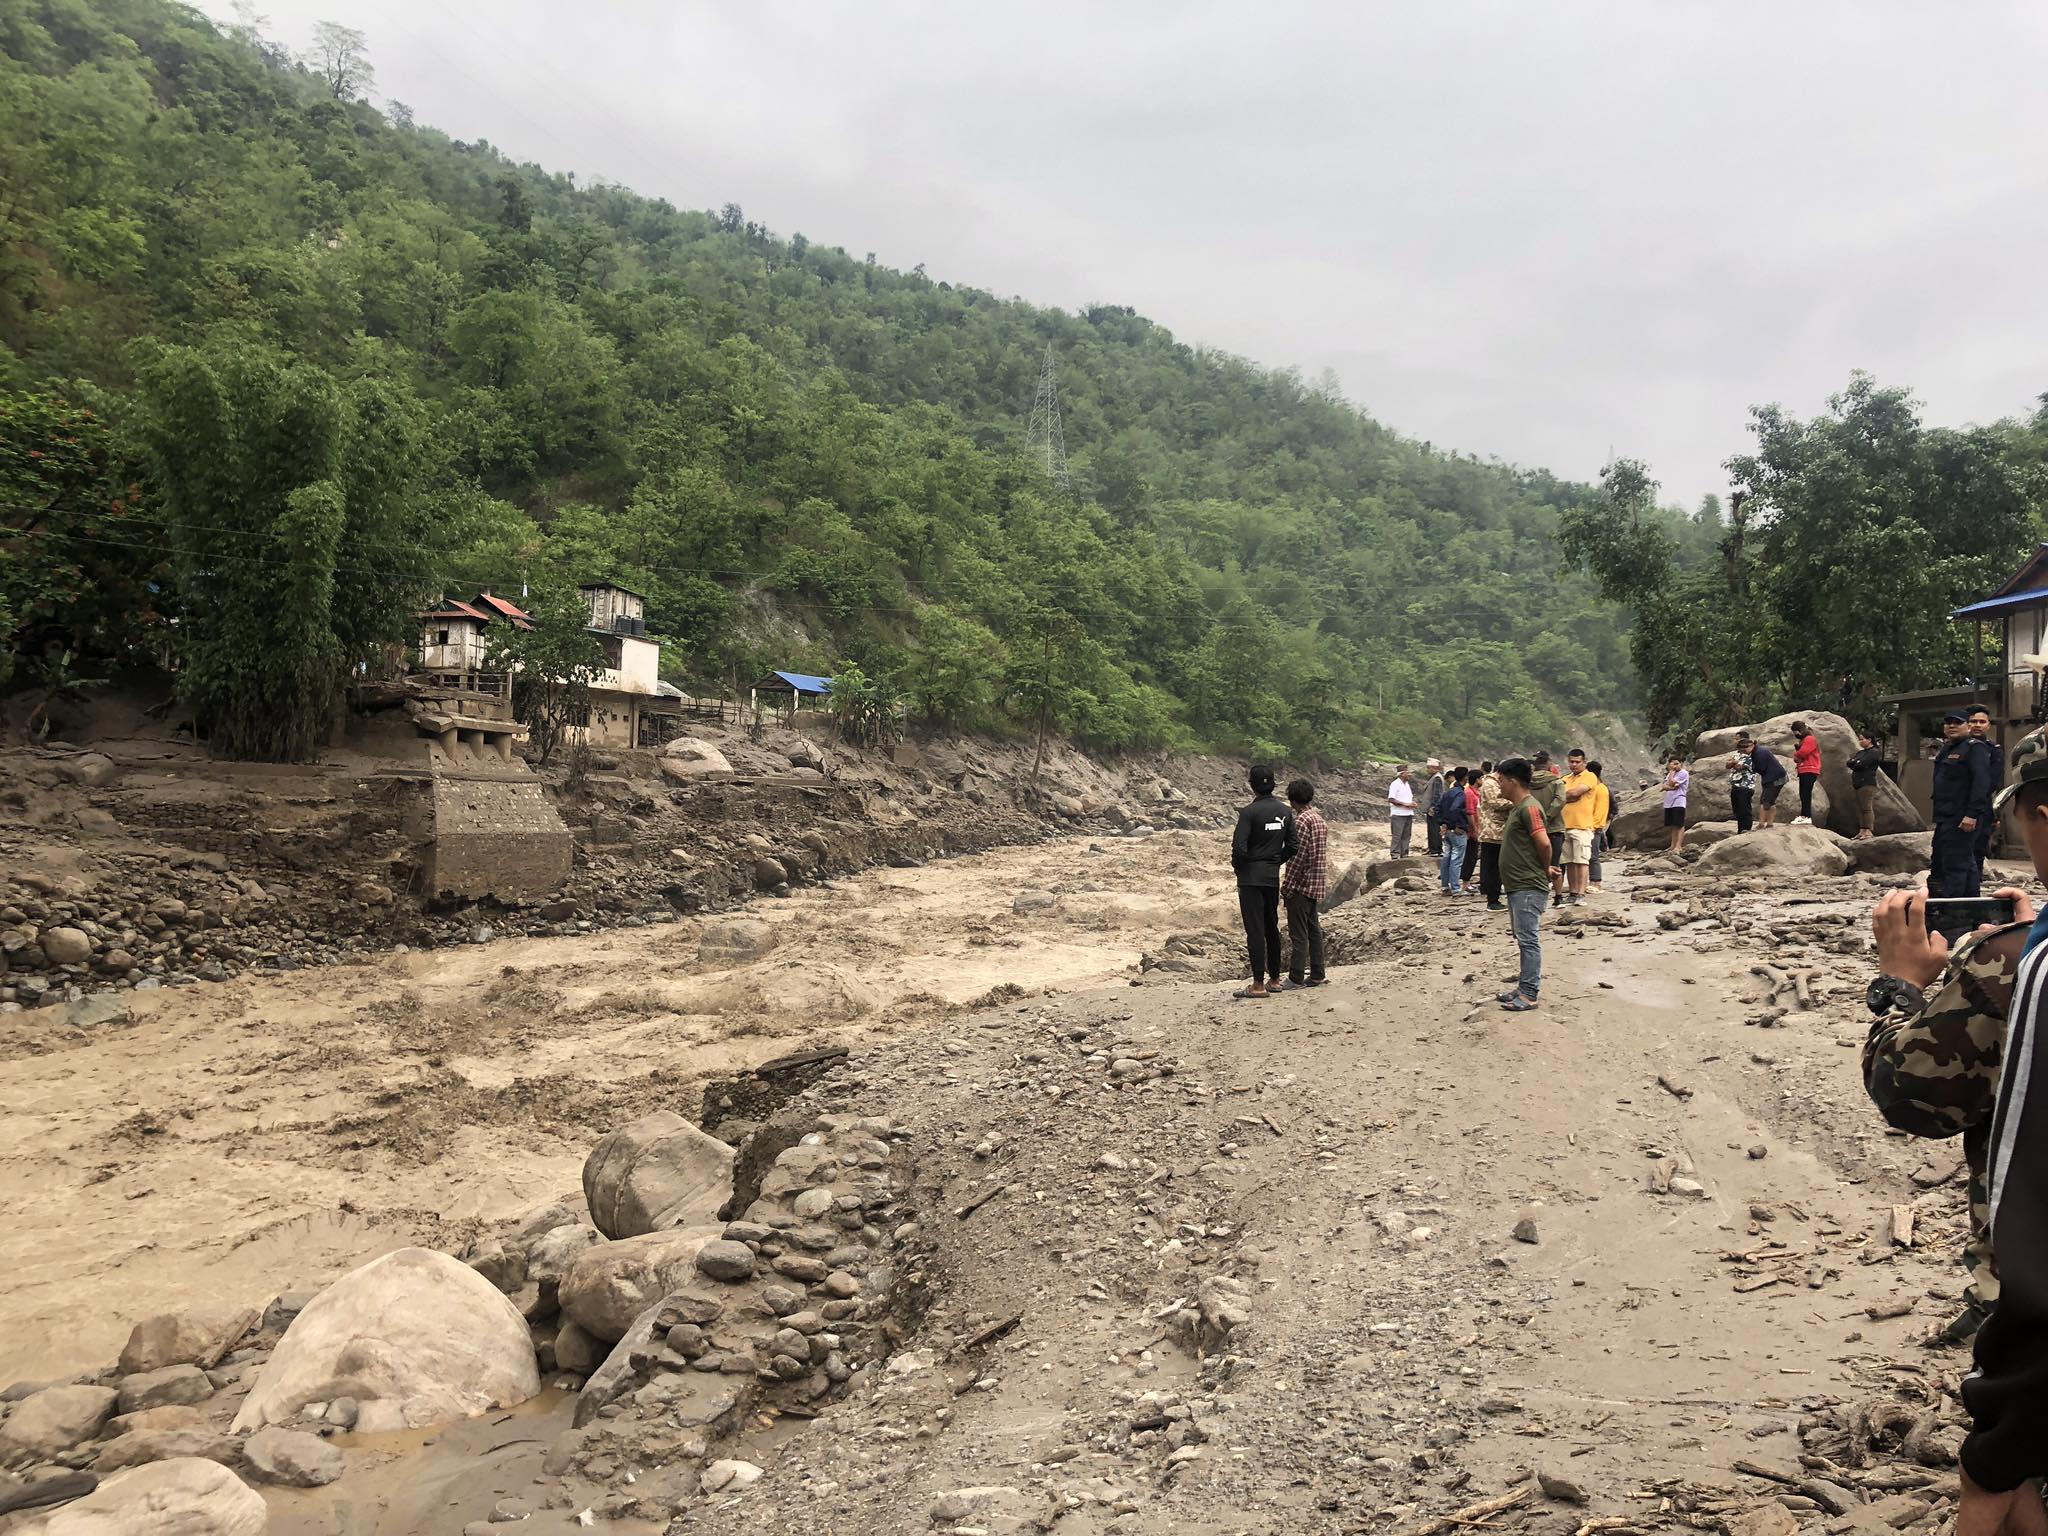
column 1581, row 793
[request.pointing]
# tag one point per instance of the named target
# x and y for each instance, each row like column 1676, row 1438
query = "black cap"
column 1955, row 717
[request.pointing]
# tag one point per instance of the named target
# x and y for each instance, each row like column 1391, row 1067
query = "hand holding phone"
column 1955, row 916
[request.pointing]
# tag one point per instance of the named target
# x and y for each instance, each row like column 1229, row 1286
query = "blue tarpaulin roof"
column 803, row 682
column 2035, row 599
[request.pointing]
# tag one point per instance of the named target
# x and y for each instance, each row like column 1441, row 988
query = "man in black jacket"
column 2006, row 1454
column 1263, row 841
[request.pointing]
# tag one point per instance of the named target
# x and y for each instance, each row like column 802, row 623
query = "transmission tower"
column 1044, row 440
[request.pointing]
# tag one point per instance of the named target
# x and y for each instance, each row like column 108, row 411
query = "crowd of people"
column 1953, row 1052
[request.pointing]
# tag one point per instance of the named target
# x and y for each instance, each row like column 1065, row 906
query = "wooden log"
column 1473, row 1513
column 51, row 1490
column 1902, row 1226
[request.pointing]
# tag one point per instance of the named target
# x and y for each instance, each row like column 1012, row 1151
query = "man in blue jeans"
column 1525, row 878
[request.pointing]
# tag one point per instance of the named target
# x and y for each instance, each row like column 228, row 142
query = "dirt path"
column 1711, row 1200
column 267, row 1133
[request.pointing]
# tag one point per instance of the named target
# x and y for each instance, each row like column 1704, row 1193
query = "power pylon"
column 1043, row 439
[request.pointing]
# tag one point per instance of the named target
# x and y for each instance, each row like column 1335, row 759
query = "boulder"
column 1901, row 853
column 1639, row 815
column 1033, row 901
column 549, row 1255
column 1380, row 871
column 576, row 1351
column 170, row 1387
column 291, row 1458
column 1782, row 852
column 66, row 946
column 140, row 1447
column 1346, row 885
column 416, row 1337
column 92, row 769
column 690, row 759
column 734, row 940
column 55, row 1420
column 1837, row 739
column 658, row 1173
column 612, row 1284
column 186, row 1496
column 769, row 873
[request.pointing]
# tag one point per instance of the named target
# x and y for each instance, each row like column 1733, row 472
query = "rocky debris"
column 657, row 1173
column 199, row 1336
column 185, row 1496
column 1034, row 901
column 1779, row 852
column 291, row 1458
column 729, row 1476
column 415, row 1337
column 49, row 1423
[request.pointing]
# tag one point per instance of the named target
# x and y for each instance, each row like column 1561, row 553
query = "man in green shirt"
column 1525, row 864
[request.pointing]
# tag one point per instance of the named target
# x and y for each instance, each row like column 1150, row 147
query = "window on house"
column 441, row 637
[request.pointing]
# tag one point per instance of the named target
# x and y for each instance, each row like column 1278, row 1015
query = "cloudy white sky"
column 1540, row 229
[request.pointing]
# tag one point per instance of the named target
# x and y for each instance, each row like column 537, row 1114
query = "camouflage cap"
column 2028, row 764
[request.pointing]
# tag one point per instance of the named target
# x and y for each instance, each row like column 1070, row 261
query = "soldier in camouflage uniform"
column 1932, row 1063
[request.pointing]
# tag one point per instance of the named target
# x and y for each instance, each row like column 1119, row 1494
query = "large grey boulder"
column 612, row 1284
column 291, row 1458
column 690, row 760
column 186, row 1496
column 1346, row 885
column 658, row 1173
column 176, row 1338
column 416, row 1338
column 140, row 1447
column 1379, row 871
column 1639, row 815
column 1838, row 743
column 55, row 1420
column 1781, row 852
column 1902, row 853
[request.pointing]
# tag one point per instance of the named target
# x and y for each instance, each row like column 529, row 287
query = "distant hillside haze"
column 801, row 458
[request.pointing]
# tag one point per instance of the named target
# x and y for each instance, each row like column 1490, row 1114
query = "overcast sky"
column 1536, row 229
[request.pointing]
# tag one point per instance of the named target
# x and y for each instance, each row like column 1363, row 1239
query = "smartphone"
column 1953, row 916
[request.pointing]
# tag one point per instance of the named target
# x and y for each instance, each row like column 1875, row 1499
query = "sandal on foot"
column 1518, row 1004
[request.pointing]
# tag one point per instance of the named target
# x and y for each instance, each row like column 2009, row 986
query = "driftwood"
column 217, row 1350
column 1472, row 1514
column 51, row 1490
column 979, row 1201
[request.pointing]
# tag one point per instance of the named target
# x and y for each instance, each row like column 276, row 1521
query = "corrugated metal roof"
column 455, row 608
column 2036, row 597
column 804, row 682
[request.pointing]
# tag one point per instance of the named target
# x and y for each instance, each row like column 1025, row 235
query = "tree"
column 553, row 665
column 339, row 58
column 301, row 534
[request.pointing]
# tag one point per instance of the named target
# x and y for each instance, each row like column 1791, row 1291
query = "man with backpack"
column 1264, row 840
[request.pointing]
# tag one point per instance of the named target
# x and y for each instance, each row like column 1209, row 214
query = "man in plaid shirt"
column 1304, row 886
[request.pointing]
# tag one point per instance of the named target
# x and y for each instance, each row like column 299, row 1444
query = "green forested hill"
column 804, row 458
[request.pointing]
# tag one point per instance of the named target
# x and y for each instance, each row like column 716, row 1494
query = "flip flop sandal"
column 1519, row 1004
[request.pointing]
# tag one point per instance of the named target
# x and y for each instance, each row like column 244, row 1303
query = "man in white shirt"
column 1400, row 813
